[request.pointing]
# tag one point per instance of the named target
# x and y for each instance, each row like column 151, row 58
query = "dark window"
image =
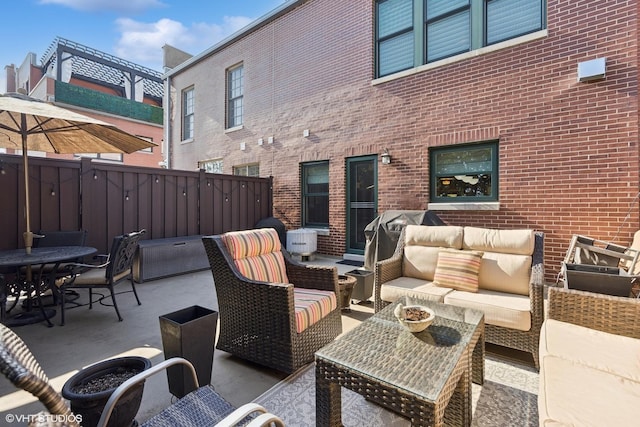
column 449, row 27
column 315, row 194
column 464, row 173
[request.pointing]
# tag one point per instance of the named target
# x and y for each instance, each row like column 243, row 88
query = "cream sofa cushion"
column 420, row 262
column 500, row 309
column 448, row 236
column 421, row 247
column 505, row 273
column 587, row 377
column 413, row 288
column 519, row 242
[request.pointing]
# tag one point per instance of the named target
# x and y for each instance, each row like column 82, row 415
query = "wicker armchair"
column 527, row 341
column 22, row 369
column 614, row 315
column 258, row 318
column 589, row 369
column 202, row 406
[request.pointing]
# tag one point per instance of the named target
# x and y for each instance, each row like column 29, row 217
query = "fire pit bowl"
column 416, row 318
column 90, row 388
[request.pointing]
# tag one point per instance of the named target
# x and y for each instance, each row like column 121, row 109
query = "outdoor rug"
column 508, row 398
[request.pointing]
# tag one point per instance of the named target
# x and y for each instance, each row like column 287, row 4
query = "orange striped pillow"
column 311, row 305
column 248, row 243
column 458, row 269
column 257, row 254
column 264, row 268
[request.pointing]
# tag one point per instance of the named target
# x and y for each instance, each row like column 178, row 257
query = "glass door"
column 362, row 200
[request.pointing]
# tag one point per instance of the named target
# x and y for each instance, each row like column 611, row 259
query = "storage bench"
column 158, row 258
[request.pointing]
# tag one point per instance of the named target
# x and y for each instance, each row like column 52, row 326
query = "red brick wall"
column 568, row 151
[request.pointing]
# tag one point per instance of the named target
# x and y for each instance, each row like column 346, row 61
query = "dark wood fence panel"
column 110, row 199
column 233, row 203
column 54, row 197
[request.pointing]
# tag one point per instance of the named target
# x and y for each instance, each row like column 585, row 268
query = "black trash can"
column 363, row 289
column 189, row 333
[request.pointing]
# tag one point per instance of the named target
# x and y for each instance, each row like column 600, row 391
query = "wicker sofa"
column 273, row 310
column 502, row 276
column 589, row 360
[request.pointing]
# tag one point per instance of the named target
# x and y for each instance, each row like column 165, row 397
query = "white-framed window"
column 188, row 107
column 111, row 157
column 251, row 169
column 235, row 95
column 146, row 138
column 211, row 166
column 464, row 173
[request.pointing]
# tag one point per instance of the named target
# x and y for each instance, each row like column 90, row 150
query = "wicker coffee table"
column 424, row 376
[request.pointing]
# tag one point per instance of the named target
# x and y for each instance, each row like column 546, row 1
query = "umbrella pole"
column 28, row 235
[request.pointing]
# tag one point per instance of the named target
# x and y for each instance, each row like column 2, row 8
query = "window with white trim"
column 252, row 169
column 235, row 95
column 211, row 166
column 188, row 108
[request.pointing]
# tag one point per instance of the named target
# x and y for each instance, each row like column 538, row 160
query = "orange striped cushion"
column 312, row 305
column 458, row 269
column 248, row 243
column 264, row 268
column 257, row 254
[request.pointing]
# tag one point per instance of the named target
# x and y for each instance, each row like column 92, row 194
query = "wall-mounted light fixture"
column 386, row 157
column 306, row 133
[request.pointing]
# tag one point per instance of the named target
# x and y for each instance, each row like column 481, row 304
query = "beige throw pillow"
column 458, row 269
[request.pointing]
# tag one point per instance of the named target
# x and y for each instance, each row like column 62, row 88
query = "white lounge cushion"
column 505, row 273
column 413, row 288
column 500, row 309
column 420, row 262
column 448, row 236
column 519, row 242
column 587, row 377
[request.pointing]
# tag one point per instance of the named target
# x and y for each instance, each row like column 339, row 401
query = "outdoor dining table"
column 31, row 283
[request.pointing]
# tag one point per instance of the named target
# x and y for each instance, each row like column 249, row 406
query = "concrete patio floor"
column 90, row 336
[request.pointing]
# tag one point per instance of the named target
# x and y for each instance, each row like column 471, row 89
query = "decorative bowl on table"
column 416, row 318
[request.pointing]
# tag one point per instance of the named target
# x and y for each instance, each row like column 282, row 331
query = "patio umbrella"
column 30, row 124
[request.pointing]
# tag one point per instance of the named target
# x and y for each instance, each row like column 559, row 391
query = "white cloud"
column 123, row 6
column 142, row 42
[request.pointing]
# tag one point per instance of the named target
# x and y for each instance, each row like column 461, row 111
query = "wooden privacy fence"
column 109, row 199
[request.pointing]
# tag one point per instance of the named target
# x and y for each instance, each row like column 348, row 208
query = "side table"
column 346, row 284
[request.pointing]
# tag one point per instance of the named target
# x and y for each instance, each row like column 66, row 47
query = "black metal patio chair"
column 117, row 268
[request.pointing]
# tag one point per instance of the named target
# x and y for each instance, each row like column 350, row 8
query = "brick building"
column 99, row 85
column 504, row 114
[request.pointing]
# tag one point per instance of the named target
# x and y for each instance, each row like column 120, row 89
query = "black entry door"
column 362, row 198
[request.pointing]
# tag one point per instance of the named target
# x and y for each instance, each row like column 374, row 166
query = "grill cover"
column 383, row 232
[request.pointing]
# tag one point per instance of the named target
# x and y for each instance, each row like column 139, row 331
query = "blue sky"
column 134, row 30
